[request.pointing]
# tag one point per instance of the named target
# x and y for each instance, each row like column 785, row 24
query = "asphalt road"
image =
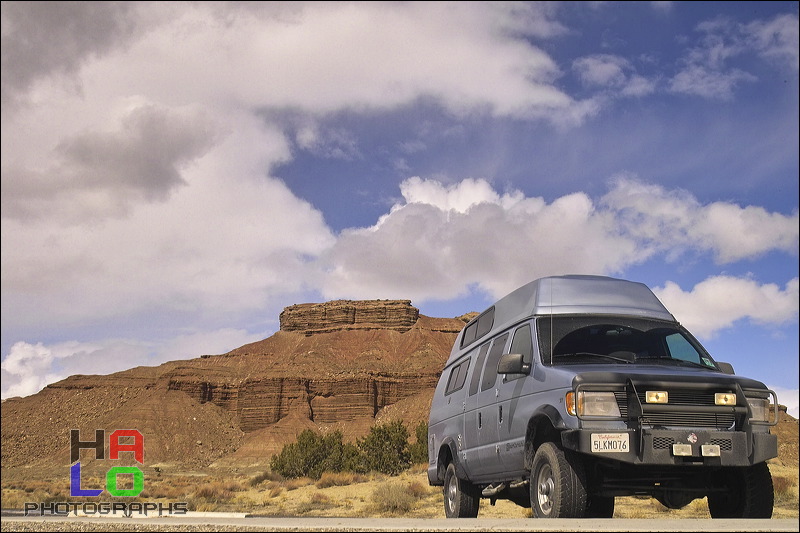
column 204, row 522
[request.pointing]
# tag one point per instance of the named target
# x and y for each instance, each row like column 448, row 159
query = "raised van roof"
column 569, row 295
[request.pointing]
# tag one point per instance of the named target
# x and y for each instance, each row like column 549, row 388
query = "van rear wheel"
column 461, row 498
column 558, row 484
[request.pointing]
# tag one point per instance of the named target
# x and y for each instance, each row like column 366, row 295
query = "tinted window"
column 478, row 328
column 469, row 334
column 522, row 344
column 476, row 374
column 485, row 322
column 458, row 375
column 490, row 371
column 680, row 348
column 617, row 340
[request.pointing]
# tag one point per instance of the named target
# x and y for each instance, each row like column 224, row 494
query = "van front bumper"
column 673, row 447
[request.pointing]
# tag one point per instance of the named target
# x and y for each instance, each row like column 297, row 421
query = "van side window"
column 478, row 327
column 490, row 372
column 469, row 334
column 458, row 375
column 522, row 344
column 485, row 323
column 476, row 374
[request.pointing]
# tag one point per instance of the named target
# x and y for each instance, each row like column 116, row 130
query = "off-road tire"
column 461, row 498
column 750, row 493
column 600, row 507
column 558, row 484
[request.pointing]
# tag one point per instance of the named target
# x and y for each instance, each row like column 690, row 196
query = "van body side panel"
column 485, row 450
column 513, row 391
column 472, row 429
column 513, row 402
column 524, row 399
column 446, row 421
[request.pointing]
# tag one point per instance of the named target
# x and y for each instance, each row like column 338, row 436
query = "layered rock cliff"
column 340, row 364
column 397, row 315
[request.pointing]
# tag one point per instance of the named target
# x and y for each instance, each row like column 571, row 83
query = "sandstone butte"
column 340, row 365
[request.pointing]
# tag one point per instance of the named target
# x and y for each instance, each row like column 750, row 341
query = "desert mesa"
column 340, row 365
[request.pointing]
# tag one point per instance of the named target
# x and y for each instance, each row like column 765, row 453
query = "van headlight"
column 588, row 403
column 759, row 409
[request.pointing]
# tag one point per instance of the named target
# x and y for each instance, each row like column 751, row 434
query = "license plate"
column 610, row 443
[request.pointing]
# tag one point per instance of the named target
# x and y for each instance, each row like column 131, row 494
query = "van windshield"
column 618, row 340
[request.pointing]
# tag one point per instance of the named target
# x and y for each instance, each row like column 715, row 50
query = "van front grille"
column 663, row 443
column 677, row 418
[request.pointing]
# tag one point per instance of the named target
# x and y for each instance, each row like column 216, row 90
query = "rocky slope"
column 337, row 365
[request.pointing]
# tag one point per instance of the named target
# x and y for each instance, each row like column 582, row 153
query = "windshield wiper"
column 682, row 362
column 592, row 354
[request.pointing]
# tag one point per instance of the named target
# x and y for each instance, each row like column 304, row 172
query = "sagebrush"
column 384, row 449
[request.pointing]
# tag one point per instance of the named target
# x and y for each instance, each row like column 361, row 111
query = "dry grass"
column 352, row 495
column 340, row 479
column 397, row 498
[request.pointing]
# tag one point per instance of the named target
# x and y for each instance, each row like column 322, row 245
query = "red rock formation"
column 398, row 315
column 336, row 365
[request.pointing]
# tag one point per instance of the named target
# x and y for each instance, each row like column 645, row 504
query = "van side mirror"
column 727, row 368
column 512, row 363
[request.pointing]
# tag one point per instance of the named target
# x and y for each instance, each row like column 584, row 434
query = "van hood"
column 656, row 375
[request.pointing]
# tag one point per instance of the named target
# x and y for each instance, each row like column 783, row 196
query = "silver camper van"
column 574, row 390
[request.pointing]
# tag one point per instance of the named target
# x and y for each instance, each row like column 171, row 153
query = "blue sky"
column 175, row 174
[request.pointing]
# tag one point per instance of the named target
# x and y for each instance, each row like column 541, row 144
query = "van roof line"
column 576, row 294
column 560, row 295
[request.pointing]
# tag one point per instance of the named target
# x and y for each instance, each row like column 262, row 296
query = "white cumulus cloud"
column 718, row 302
column 444, row 238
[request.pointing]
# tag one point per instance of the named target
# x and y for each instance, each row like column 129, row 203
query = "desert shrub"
column 418, row 490
column 419, row 450
column 385, row 449
column 393, row 498
column 314, row 453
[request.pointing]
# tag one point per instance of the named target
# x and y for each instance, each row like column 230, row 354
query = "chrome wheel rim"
column 545, row 487
column 452, row 491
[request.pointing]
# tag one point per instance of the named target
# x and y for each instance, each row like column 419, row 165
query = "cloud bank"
column 442, row 239
column 139, row 190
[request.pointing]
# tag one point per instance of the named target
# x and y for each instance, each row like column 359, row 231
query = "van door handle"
column 479, row 420
column 500, row 414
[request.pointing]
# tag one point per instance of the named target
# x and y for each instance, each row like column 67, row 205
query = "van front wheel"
column 558, row 484
column 749, row 493
column 461, row 498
